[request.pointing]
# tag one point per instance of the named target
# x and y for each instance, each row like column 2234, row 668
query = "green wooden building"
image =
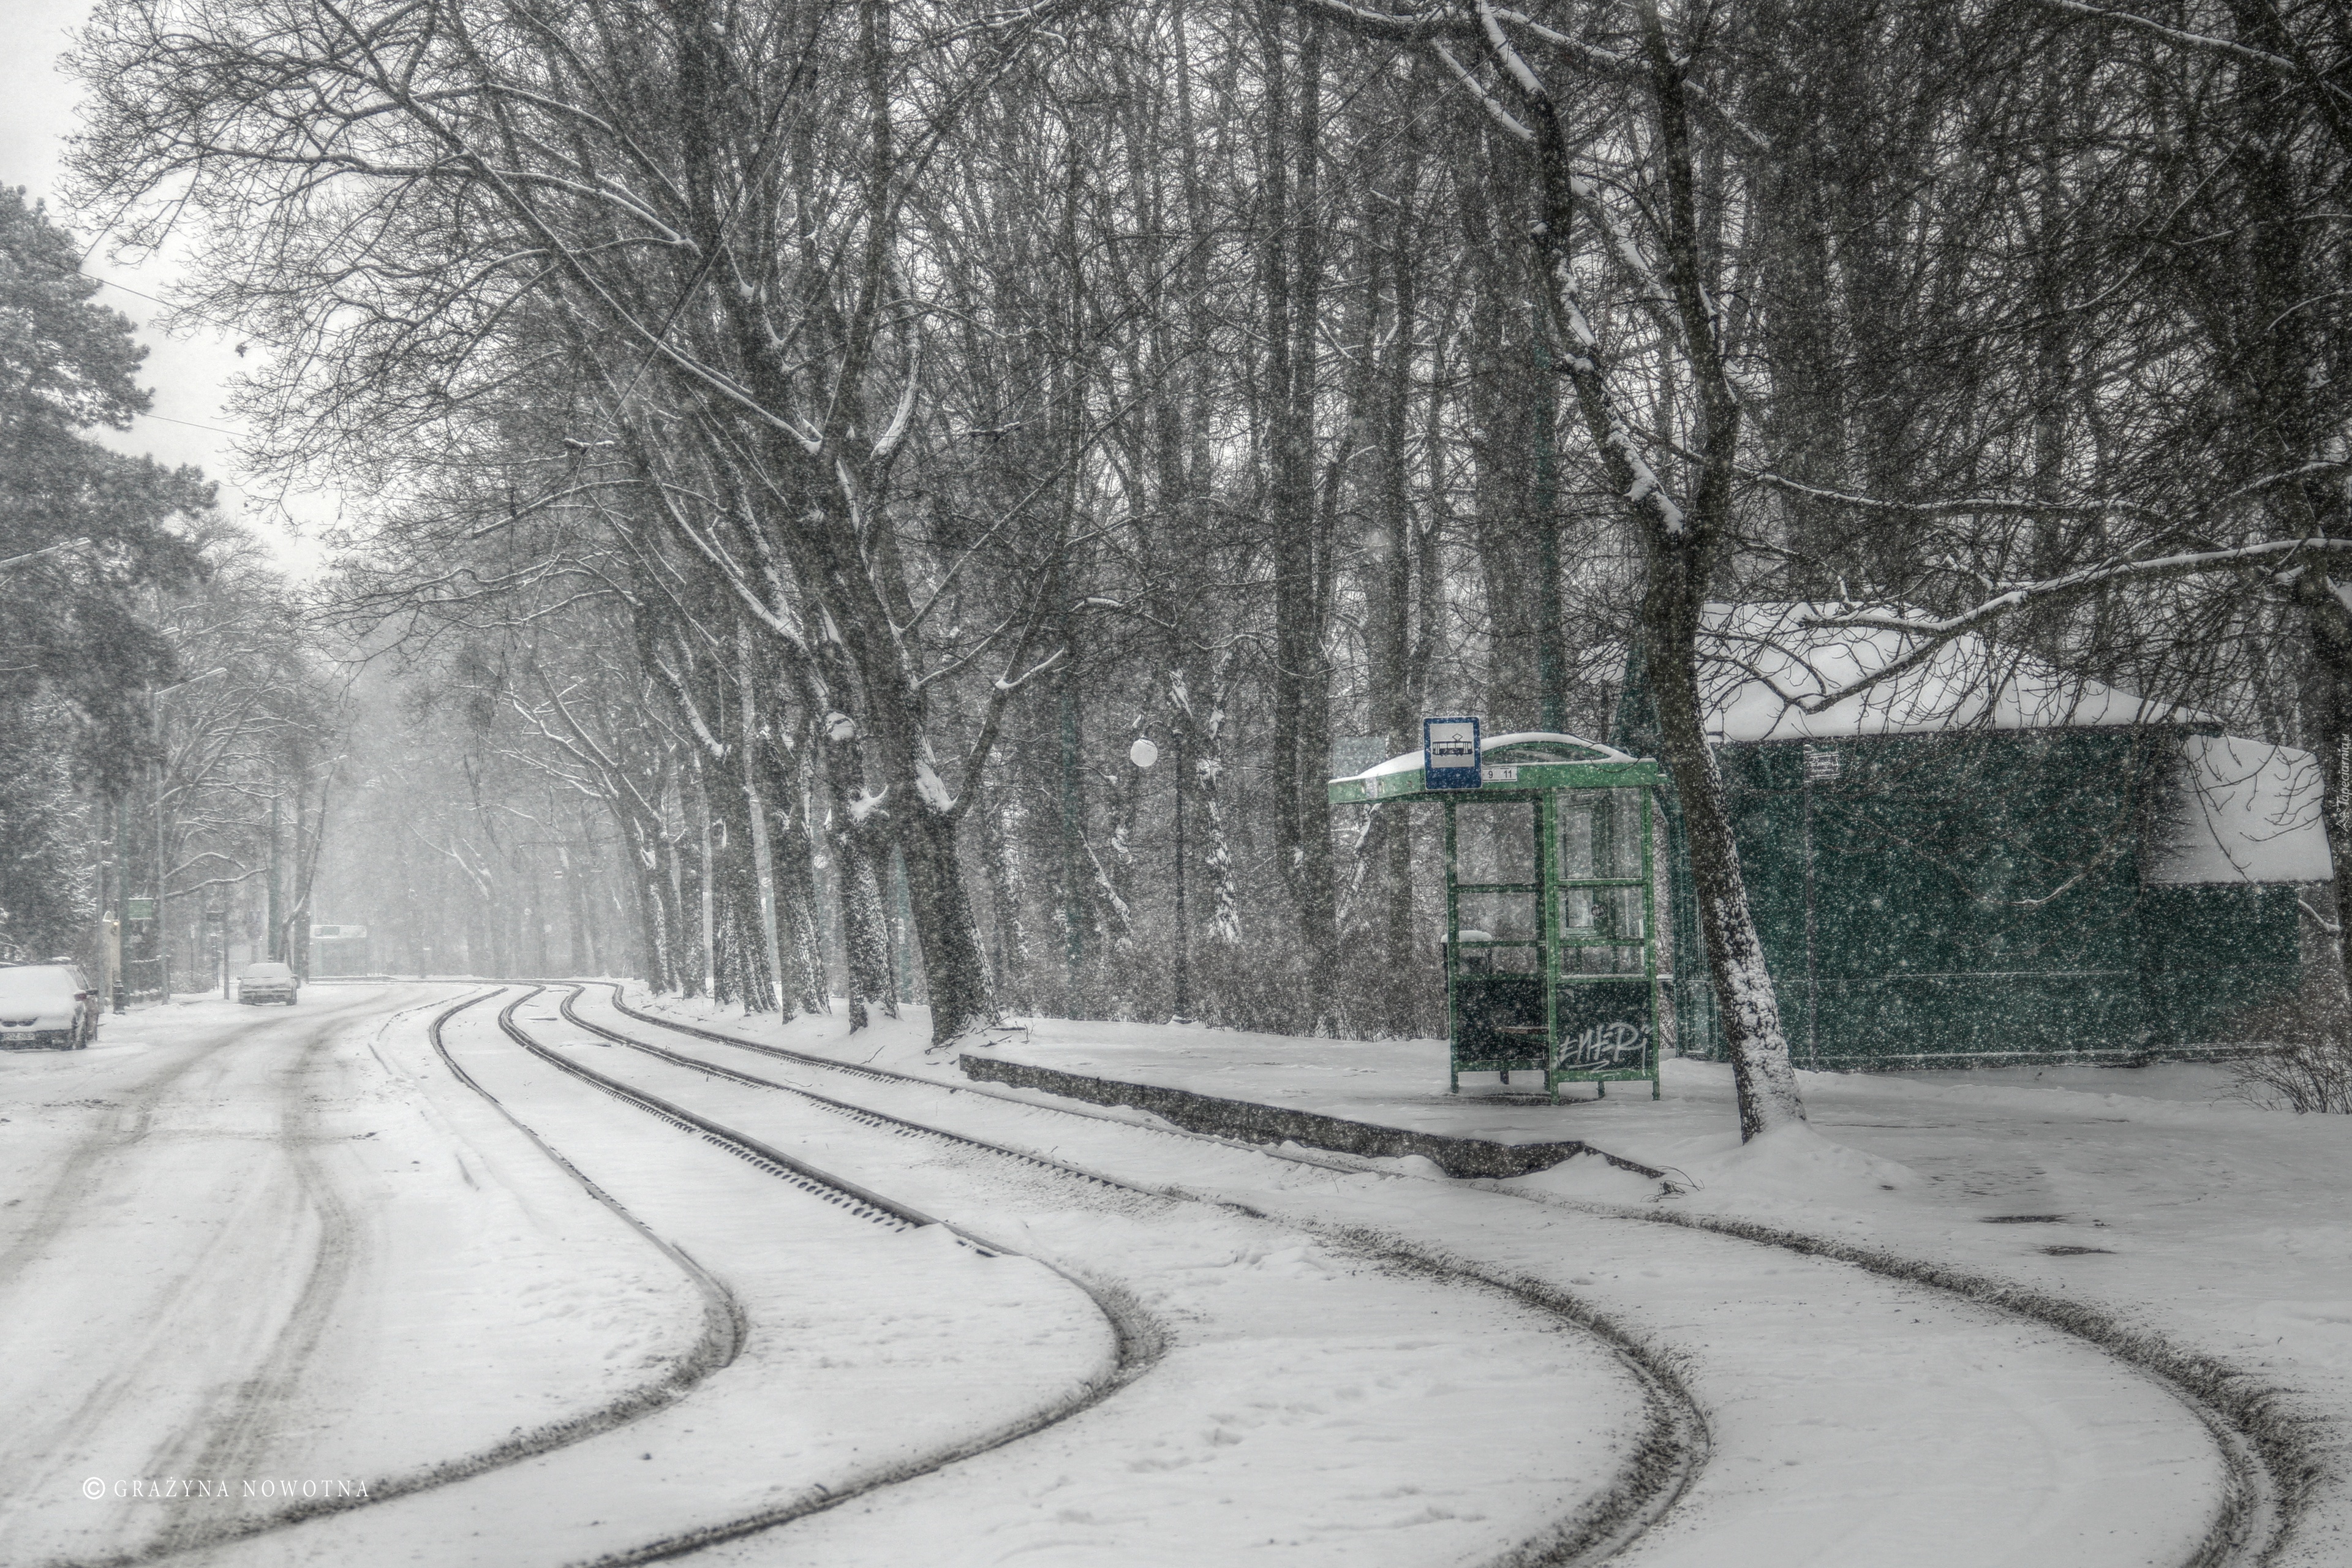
column 1985, row 860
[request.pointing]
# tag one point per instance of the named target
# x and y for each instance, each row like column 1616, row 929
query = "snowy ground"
column 241, row 1245
column 1902, row 1439
column 231, row 1249
column 2152, row 1191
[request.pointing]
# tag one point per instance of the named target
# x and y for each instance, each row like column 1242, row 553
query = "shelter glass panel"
column 1600, row 835
column 1478, row 960
column 1502, row 917
column 1494, row 841
column 1613, row 958
column 1601, row 915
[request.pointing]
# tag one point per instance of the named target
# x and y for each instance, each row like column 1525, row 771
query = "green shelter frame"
column 1572, row 993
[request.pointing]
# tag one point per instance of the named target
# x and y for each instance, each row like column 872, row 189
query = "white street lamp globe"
column 1143, row 753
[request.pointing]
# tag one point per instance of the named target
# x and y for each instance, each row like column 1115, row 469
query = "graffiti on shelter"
column 1623, row 1042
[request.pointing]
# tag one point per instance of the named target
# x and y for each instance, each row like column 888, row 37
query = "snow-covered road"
column 234, row 1256
column 238, row 1246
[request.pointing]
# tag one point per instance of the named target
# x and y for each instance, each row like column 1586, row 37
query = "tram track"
column 1138, row 1337
column 1140, row 1340
column 1662, row 1460
column 2268, row 1455
column 721, row 1339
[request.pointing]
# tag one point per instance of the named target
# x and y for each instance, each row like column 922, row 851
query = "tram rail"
column 2268, row 1457
column 1669, row 1453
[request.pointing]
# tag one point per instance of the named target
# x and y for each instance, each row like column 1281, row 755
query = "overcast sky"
column 189, row 372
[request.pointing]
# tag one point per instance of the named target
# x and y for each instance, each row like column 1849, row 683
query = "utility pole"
column 1074, row 919
column 709, row 917
column 216, row 927
column 902, row 948
column 163, row 951
column 1143, row 755
column 121, row 895
column 276, row 942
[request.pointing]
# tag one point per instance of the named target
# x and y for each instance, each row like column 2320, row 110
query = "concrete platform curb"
column 1258, row 1124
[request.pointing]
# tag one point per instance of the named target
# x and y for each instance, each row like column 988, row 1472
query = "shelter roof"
column 1522, row 760
column 1518, row 746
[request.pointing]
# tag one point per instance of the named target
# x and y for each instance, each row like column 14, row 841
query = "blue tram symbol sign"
column 1449, row 753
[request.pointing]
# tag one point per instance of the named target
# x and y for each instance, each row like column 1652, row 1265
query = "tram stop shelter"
column 1551, row 956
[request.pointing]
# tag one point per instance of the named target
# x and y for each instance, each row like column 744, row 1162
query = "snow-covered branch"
column 1928, row 634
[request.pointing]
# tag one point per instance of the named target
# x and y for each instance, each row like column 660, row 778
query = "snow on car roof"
column 271, row 971
column 28, row 980
column 1757, row 661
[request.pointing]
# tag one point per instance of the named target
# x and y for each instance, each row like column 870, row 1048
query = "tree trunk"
column 955, row 970
column 865, row 934
column 1761, row 1071
column 1000, row 833
column 785, row 792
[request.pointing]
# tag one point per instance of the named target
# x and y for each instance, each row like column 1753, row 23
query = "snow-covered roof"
column 2243, row 811
column 1409, row 762
column 1757, row 661
column 1557, row 738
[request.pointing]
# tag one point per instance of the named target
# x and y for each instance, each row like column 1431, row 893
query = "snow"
column 2205, row 1219
column 1409, row 762
column 290, row 1242
column 866, row 1348
column 1854, row 1418
column 2247, row 811
column 1794, row 1165
column 265, row 1259
column 934, row 792
column 1757, row 661
column 1555, row 737
column 38, row 997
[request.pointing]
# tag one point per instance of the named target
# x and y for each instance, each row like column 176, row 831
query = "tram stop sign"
column 1449, row 753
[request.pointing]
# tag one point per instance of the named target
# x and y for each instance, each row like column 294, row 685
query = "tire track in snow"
column 2267, row 1450
column 231, row 1440
column 2269, row 1458
column 721, row 1340
column 1668, row 1454
column 71, row 1189
column 129, row 1127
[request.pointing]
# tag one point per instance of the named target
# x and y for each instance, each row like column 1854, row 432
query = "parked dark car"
column 47, row 1006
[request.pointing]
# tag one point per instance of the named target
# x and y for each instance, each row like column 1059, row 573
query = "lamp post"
column 121, row 896
column 1144, row 754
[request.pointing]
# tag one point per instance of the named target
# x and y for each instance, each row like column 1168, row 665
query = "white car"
column 268, row 982
column 46, row 1004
